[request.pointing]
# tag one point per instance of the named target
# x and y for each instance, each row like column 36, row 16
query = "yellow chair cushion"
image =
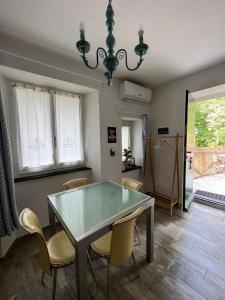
column 132, row 183
column 60, row 249
column 103, row 244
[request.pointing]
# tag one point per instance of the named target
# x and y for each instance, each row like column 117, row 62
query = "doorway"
column 205, row 148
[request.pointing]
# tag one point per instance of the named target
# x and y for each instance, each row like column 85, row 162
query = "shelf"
column 50, row 173
column 132, row 169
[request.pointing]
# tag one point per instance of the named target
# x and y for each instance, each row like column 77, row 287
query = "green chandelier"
column 110, row 60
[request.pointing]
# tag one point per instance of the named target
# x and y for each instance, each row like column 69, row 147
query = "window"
column 48, row 129
column 34, row 133
column 126, row 137
column 131, row 136
column 68, row 129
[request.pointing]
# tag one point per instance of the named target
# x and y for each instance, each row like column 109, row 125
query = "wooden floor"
column 189, row 264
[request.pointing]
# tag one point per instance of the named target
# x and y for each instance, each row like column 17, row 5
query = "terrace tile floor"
column 212, row 184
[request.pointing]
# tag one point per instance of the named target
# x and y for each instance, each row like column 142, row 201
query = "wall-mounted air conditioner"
column 133, row 92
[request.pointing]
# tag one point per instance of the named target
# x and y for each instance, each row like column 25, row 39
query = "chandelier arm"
column 100, row 52
column 122, row 54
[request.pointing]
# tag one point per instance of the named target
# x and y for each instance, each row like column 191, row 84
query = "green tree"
column 210, row 123
column 216, row 120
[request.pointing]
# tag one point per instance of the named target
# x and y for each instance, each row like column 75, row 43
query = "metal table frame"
column 82, row 245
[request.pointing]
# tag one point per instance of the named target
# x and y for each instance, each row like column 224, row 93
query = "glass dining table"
column 88, row 212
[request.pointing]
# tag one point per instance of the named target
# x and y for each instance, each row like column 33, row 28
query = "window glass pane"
column 125, row 137
column 68, row 129
column 34, row 129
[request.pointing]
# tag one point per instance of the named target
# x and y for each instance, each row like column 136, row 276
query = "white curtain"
column 125, row 137
column 145, row 133
column 34, row 129
column 68, row 128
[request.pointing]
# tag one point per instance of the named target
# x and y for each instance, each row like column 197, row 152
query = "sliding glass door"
column 189, row 144
column 204, row 159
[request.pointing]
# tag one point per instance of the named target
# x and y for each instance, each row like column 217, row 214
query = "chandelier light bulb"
column 82, row 27
column 141, row 30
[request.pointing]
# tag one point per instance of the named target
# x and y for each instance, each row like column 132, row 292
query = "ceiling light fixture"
column 110, row 60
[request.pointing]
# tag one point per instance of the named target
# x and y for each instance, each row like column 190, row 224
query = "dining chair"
column 57, row 252
column 137, row 186
column 132, row 184
column 117, row 245
column 74, row 183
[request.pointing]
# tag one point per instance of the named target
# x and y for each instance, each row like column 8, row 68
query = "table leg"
column 81, row 272
column 149, row 233
column 51, row 216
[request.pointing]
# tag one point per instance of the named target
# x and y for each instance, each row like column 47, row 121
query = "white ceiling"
column 184, row 35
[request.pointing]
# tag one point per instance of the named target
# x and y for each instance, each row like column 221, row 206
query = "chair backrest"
column 122, row 241
column 132, row 183
column 72, row 184
column 29, row 221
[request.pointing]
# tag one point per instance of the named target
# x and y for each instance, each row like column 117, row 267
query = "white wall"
column 168, row 109
column 33, row 193
column 92, row 134
column 17, row 54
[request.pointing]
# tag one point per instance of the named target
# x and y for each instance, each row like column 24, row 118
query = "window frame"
column 14, row 130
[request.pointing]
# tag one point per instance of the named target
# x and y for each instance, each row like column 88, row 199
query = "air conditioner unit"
column 133, row 92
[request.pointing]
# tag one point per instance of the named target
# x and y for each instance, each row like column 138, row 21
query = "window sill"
column 52, row 173
column 132, row 169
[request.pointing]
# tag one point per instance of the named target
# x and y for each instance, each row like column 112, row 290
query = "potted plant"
column 127, row 153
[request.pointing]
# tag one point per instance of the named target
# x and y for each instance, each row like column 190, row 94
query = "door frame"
column 185, row 147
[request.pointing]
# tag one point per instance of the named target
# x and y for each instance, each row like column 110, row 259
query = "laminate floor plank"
column 171, row 287
column 189, row 263
column 204, row 287
column 213, row 278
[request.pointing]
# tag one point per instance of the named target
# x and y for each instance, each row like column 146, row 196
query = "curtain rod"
column 48, row 89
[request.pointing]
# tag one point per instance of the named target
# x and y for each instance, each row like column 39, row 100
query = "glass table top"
column 86, row 209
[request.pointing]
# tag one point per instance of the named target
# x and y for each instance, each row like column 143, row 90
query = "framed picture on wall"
column 111, row 135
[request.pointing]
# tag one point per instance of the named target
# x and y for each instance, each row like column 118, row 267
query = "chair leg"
column 54, row 283
column 42, row 277
column 89, row 250
column 108, row 280
column 91, row 268
column 137, row 233
column 135, row 264
column 171, row 210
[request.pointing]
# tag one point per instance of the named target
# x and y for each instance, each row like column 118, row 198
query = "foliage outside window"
column 210, row 123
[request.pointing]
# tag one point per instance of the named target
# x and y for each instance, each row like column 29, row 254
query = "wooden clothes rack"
column 160, row 199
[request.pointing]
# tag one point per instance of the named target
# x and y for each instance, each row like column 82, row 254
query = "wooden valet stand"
column 160, row 199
